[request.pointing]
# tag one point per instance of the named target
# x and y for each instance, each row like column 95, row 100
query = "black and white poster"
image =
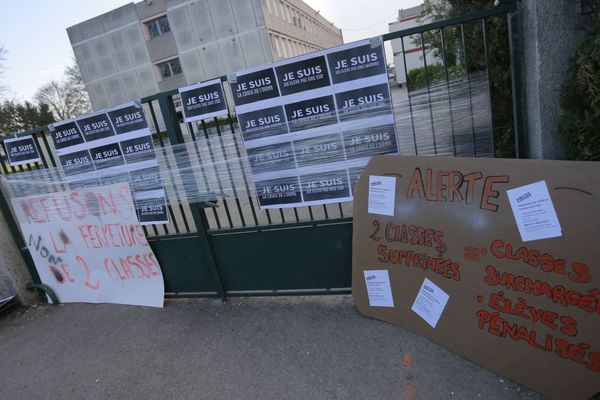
column 113, row 146
column 21, row 150
column 311, row 123
column 203, row 100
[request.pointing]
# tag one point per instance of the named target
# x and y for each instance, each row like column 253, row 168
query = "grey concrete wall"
column 13, row 272
column 162, row 47
column 148, row 9
column 216, row 37
column 550, row 31
column 111, row 52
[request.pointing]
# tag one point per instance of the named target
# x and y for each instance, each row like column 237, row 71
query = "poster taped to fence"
column 203, row 100
column 463, row 276
column 311, row 123
column 88, row 246
column 113, row 146
column 21, row 150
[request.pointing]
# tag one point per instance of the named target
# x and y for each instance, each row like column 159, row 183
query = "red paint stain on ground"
column 410, row 392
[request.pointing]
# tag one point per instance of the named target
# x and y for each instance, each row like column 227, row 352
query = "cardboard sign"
column 88, row 246
column 462, row 276
column 311, row 123
column 203, row 100
column 21, row 150
column 112, row 146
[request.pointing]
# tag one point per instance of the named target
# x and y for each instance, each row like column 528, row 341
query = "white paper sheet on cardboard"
column 430, row 302
column 378, row 288
column 382, row 195
column 534, row 212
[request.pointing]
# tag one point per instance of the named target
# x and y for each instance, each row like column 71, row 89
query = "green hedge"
column 579, row 125
column 417, row 79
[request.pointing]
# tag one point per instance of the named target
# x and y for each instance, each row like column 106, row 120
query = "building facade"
column 409, row 49
column 157, row 45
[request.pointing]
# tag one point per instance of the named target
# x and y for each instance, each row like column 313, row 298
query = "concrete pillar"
column 13, row 271
column 550, row 30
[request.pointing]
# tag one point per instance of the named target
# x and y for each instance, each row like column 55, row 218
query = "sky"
column 33, row 32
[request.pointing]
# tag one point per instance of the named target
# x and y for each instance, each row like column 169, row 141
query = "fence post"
column 517, row 81
column 169, row 114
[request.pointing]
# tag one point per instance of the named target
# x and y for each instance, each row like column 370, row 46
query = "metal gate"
column 238, row 249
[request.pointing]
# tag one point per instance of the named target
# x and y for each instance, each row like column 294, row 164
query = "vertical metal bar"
column 466, row 60
column 484, row 26
column 195, row 142
column 157, row 130
column 445, row 60
column 515, row 72
column 39, row 149
column 175, row 136
column 429, row 94
column 215, row 169
column 227, row 165
column 282, row 216
column 162, row 145
column 243, row 168
column 410, row 108
column 269, row 220
column 47, row 145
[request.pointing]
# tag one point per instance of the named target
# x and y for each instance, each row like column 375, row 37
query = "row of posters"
column 311, row 123
column 113, row 146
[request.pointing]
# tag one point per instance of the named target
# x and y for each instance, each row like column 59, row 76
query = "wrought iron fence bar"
column 212, row 158
column 468, row 78
column 435, row 151
column 445, row 61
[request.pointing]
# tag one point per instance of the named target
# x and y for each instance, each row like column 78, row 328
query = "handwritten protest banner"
column 493, row 259
column 88, row 246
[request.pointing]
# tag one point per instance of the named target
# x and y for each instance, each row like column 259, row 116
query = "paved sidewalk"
column 250, row 348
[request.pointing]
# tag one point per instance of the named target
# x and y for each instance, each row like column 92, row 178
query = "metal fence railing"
column 452, row 108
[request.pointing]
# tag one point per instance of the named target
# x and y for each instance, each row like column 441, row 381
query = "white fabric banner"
column 88, row 246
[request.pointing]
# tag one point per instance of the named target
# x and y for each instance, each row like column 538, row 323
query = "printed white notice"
column 378, row 288
column 382, row 195
column 430, row 302
column 534, row 212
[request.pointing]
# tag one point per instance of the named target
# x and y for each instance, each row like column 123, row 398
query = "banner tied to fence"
column 88, row 246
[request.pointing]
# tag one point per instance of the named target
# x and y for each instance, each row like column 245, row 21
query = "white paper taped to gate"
column 94, row 150
column 203, row 100
column 88, row 246
column 311, row 123
column 21, row 150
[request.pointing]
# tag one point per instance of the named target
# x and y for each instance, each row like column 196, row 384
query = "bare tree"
column 67, row 98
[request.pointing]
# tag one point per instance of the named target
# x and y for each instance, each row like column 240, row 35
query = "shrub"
column 579, row 125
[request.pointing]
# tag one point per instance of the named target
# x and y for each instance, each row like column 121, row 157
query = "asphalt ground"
column 247, row 348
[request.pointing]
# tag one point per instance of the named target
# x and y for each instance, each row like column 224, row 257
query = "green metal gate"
column 238, row 249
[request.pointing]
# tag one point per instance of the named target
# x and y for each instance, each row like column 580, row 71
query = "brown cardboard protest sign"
column 497, row 260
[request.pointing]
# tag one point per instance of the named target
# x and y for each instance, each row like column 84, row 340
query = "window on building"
column 169, row 68
column 158, row 26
